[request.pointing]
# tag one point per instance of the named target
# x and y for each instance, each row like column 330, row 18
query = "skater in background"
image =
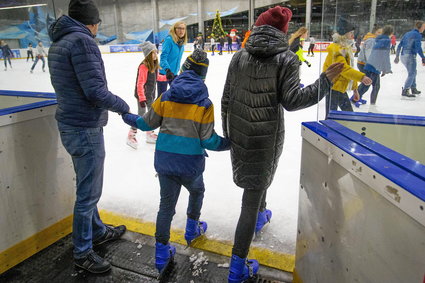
column 296, row 44
column 311, row 46
column 366, row 48
column 247, row 34
column 185, row 117
column 221, row 46
column 229, row 44
column 378, row 64
column 171, row 56
column 7, row 53
column 39, row 56
column 393, row 43
column 78, row 76
column 365, row 51
column 29, row 52
column 358, row 43
column 212, row 45
column 340, row 51
column 252, row 108
column 409, row 46
column 145, row 90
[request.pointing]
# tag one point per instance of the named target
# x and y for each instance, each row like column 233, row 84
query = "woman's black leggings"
column 252, row 202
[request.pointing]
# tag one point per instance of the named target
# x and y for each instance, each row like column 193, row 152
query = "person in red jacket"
column 393, row 44
column 144, row 91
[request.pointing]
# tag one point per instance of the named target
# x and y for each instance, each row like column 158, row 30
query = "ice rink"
column 130, row 185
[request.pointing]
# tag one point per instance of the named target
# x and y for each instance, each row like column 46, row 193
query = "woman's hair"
column 387, row 30
column 297, row 34
column 174, row 35
column 150, row 63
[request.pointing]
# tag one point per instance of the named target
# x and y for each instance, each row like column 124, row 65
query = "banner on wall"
column 321, row 46
column 124, row 48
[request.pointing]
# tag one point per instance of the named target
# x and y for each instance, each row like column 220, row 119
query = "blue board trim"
column 377, row 118
column 395, row 157
column 411, row 182
column 28, row 94
column 25, row 107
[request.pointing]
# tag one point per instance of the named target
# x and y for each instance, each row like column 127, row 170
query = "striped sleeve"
column 209, row 139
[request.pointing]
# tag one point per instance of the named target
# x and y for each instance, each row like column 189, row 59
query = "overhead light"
column 23, row 6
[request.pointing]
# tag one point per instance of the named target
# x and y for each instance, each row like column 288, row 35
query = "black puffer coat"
column 262, row 81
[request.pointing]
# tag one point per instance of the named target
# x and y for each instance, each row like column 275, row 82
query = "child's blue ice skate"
column 164, row 256
column 262, row 219
column 194, row 229
column 242, row 269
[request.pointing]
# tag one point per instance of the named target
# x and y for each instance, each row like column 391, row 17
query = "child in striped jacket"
column 185, row 117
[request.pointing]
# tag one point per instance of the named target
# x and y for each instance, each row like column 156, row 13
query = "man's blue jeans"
column 409, row 61
column 87, row 149
column 170, row 191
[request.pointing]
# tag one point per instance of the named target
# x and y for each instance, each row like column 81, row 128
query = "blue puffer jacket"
column 171, row 56
column 78, row 76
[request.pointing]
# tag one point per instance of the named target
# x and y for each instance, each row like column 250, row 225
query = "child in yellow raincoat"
column 340, row 51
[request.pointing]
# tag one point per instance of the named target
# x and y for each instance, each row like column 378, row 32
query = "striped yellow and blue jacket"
column 185, row 117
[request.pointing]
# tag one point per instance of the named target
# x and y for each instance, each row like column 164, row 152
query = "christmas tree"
column 217, row 29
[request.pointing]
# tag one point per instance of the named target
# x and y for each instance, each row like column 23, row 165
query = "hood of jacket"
column 369, row 35
column 188, row 87
column 65, row 25
column 266, row 41
column 382, row 42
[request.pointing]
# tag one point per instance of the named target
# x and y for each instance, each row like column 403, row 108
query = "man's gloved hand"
column 169, row 75
column 130, row 119
column 142, row 104
column 308, row 63
column 397, row 59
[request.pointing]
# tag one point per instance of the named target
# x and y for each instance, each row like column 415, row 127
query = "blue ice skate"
column 242, row 269
column 262, row 219
column 194, row 229
column 164, row 255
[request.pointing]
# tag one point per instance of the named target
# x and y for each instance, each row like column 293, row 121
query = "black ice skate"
column 405, row 94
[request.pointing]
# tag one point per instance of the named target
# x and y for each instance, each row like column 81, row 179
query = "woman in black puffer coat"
column 262, row 81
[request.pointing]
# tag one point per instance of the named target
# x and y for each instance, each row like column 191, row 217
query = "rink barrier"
column 266, row 257
column 32, row 245
column 361, row 206
column 35, row 169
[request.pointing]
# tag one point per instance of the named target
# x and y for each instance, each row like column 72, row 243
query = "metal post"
column 54, row 9
column 155, row 23
column 251, row 13
column 372, row 15
column 308, row 16
column 200, row 18
column 118, row 21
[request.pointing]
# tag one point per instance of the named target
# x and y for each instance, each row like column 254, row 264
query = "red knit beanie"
column 277, row 17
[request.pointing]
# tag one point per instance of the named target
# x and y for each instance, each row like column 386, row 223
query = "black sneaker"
column 93, row 263
column 111, row 234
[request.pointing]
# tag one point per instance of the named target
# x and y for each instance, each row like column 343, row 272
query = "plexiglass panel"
column 381, row 43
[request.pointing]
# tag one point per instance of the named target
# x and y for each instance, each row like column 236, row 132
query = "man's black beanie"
column 84, row 11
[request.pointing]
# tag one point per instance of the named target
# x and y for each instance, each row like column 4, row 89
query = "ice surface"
column 130, row 185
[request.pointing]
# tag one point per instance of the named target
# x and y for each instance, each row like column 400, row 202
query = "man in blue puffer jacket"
column 78, row 76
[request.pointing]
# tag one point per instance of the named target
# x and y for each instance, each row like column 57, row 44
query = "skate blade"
column 407, row 98
column 164, row 275
column 194, row 241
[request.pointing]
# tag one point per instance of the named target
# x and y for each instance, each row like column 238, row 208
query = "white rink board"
column 350, row 226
